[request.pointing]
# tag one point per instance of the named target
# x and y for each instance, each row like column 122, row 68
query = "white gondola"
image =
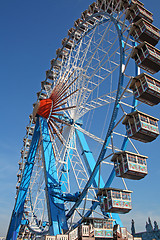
column 41, row 95
column 30, row 130
column 24, row 154
column 141, row 126
column 85, row 16
column 136, row 12
column 143, row 30
column 45, row 84
column 95, row 228
column 74, row 34
column 26, row 142
column 115, row 200
column 147, row 57
column 146, row 89
column 61, row 53
column 56, row 64
column 71, row 31
column 80, row 25
column 93, row 8
column 130, row 165
column 20, row 166
column 67, row 43
column 51, row 75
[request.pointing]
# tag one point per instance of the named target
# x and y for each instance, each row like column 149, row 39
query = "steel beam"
column 55, row 205
column 25, row 181
column 113, row 118
column 90, row 163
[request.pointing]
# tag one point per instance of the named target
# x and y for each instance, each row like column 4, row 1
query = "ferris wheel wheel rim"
column 121, row 73
column 120, row 39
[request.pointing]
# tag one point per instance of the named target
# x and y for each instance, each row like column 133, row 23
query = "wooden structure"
column 146, row 89
column 115, row 200
column 130, row 165
column 141, row 126
column 147, row 57
column 136, row 11
column 143, row 30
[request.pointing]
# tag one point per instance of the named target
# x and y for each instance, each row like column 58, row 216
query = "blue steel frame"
column 111, row 125
column 108, row 136
column 55, row 204
column 27, row 172
column 90, row 163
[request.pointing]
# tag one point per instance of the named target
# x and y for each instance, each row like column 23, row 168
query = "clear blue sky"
column 31, row 31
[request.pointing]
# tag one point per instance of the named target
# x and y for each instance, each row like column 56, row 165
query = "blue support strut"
column 88, row 158
column 55, row 204
column 27, row 172
column 90, row 163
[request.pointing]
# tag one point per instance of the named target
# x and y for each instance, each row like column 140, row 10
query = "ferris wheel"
column 85, row 124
